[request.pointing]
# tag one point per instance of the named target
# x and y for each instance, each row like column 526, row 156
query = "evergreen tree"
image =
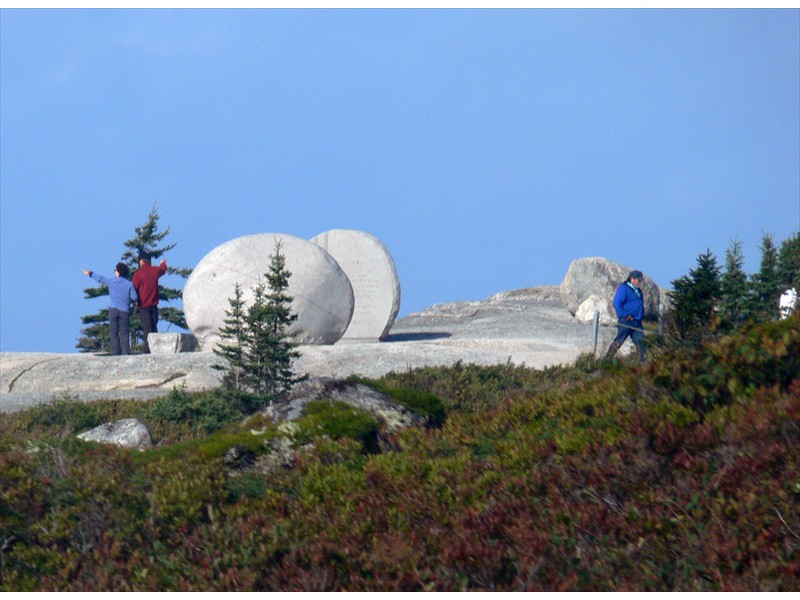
column 734, row 287
column 97, row 333
column 789, row 263
column 765, row 286
column 96, row 337
column 258, row 344
column 696, row 298
column 234, row 330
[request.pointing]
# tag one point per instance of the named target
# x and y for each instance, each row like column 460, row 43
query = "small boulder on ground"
column 596, row 303
column 128, row 433
column 171, row 343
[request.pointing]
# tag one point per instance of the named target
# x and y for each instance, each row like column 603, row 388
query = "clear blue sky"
column 486, row 148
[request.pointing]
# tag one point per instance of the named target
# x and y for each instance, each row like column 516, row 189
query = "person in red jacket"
column 145, row 280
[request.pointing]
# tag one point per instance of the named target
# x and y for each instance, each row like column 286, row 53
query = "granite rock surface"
column 529, row 326
column 372, row 273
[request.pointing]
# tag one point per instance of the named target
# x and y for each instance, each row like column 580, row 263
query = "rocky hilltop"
column 529, row 326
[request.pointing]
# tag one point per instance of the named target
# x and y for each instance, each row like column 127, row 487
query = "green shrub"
column 65, row 415
column 246, row 485
column 576, row 478
column 337, row 420
column 204, row 411
column 464, row 387
column 731, row 368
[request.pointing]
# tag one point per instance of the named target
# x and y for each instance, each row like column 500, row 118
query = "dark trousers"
column 625, row 330
column 149, row 317
column 120, row 331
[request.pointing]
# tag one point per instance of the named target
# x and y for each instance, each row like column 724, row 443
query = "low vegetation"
column 682, row 474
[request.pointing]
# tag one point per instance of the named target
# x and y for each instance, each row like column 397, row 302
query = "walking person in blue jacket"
column 629, row 305
column 122, row 293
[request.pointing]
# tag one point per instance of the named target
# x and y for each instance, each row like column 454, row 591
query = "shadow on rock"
column 417, row 337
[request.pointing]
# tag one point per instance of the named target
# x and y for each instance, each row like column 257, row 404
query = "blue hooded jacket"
column 629, row 302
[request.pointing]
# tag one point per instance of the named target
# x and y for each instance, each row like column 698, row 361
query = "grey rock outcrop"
column 239, row 457
column 356, row 395
column 281, row 456
column 128, row 433
column 323, row 296
column 29, row 378
column 282, row 453
column 601, row 277
column 372, row 273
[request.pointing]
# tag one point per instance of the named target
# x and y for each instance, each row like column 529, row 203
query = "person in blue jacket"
column 122, row 293
column 629, row 305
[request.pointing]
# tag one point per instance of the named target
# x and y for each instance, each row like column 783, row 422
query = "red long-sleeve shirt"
column 145, row 280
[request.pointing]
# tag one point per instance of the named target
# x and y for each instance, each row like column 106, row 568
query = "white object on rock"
column 323, row 297
column 787, row 303
column 596, row 303
column 128, row 433
column 171, row 343
column 372, row 273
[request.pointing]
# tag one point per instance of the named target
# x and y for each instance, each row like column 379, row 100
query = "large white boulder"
column 323, row 296
column 597, row 276
column 370, row 268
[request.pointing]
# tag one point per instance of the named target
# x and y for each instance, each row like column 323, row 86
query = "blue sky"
column 487, row 149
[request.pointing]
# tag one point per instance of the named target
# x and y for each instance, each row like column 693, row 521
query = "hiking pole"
column 628, row 326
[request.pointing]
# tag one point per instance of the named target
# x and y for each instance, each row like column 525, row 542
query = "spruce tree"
column 789, row 263
column 235, row 332
column 281, row 349
column 734, row 287
column 765, row 286
column 256, row 342
column 96, row 336
column 696, row 298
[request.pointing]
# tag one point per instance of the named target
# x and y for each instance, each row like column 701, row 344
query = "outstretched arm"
column 95, row 276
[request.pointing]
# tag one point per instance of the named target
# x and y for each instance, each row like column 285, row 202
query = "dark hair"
column 122, row 269
column 635, row 275
column 144, row 255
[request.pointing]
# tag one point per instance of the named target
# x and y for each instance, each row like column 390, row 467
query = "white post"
column 595, row 326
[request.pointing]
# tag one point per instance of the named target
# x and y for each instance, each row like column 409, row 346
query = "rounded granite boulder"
column 372, row 273
column 323, row 296
column 597, row 276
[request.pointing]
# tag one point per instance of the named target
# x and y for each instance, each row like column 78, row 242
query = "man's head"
column 635, row 277
column 122, row 269
column 144, row 256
